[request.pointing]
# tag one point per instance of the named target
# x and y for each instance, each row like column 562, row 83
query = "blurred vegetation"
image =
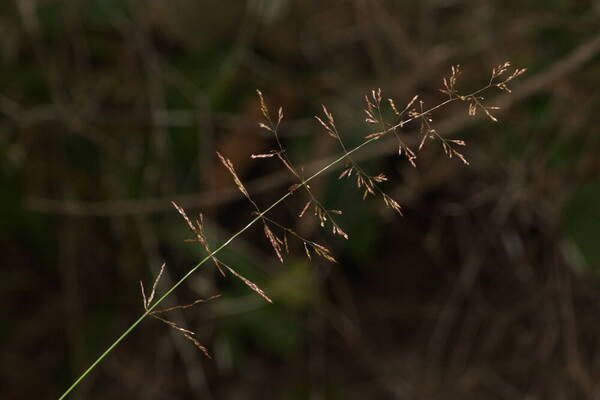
column 110, row 109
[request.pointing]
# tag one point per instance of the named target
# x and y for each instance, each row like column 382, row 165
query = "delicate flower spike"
column 323, row 252
column 329, row 130
column 198, row 230
column 375, row 135
column 330, row 124
column 329, row 116
column 308, row 203
column 148, row 301
column 487, row 112
column 250, row 284
column 307, row 251
column 450, row 82
column 460, row 156
column 338, row 231
column 380, row 178
column 393, row 106
column 346, row 173
column 500, row 69
column 410, row 103
column 265, row 155
column 198, row 345
column 275, row 241
column 391, row 203
column 265, row 126
column 227, row 163
column 263, row 106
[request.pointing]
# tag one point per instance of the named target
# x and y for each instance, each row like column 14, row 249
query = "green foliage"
column 294, row 287
column 270, row 329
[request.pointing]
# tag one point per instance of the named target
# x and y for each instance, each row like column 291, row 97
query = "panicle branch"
column 375, row 116
column 317, row 248
column 369, row 184
column 147, row 301
column 198, row 230
column 320, row 211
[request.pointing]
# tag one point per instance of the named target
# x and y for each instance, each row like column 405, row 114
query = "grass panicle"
column 369, row 184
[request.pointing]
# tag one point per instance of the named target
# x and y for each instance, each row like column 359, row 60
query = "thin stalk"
column 241, row 231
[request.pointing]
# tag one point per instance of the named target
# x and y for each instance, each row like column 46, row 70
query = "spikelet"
column 274, row 240
column 249, row 283
column 227, row 163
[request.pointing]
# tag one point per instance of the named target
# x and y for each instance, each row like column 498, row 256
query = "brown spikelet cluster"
column 329, row 125
column 276, row 243
column 274, row 240
column 248, row 283
column 450, row 82
column 498, row 73
column 427, row 132
column 375, row 117
column 367, row 183
column 157, row 314
column 309, row 246
column 498, row 78
column 323, row 215
column 475, row 101
column 228, row 164
column 320, row 212
column 198, row 230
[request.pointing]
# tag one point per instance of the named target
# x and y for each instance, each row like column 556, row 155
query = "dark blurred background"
column 487, row 288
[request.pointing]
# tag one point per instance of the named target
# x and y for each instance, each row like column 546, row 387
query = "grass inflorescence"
column 278, row 234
